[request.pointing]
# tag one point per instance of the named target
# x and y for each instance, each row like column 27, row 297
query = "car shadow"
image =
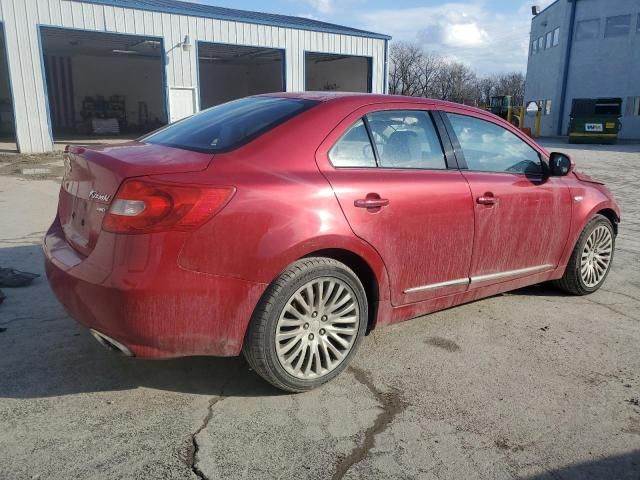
column 618, row 467
column 45, row 353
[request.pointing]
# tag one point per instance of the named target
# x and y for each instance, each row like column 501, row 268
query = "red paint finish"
column 175, row 292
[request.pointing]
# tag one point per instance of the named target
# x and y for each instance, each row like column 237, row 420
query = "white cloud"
column 323, row 6
column 466, row 30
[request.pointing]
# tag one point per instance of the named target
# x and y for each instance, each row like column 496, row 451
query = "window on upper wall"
column 633, row 106
column 638, row 24
column 547, row 107
column 541, row 44
column 549, row 40
column 588, row 29
column 534, row 47
column 618, row 26
column 556, row 37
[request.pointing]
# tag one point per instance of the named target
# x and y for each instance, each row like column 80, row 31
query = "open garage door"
column 228, row 72
column 103, row 84
column 343, row 73
column 7, row 123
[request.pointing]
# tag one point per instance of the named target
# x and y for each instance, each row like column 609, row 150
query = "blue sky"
column 490, row 36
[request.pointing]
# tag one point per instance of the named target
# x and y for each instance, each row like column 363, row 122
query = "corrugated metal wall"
column 22, row 19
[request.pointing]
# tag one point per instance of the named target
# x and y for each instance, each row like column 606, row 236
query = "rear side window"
column 353, row 149
column 406, row 139
column 230, row 125
column 403, row 140
column 488, row 147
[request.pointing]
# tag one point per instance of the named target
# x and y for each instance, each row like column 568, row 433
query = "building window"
column 547, row 107
column 541, row 44
column 588, row 29
column 638, row 27
column 556, row 37
column 534, row 48
column 618, row 26
column 633, row 106
column 549, row 41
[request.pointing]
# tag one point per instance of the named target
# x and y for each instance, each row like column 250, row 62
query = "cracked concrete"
column 533, row 384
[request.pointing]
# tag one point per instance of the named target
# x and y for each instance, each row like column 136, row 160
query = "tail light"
column 143, row 205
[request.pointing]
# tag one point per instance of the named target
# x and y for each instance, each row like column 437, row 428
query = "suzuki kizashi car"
column 288, row 226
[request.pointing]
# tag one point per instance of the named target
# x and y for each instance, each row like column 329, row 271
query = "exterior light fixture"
column 186, row 44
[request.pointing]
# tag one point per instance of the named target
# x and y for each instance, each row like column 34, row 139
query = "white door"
column 182, row 103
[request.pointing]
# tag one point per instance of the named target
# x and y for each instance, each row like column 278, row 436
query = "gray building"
column 585, row 49
column 69, row 68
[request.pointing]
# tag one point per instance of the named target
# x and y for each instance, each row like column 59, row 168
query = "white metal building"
column 67, row 65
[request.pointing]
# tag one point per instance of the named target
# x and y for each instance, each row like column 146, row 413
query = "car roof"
column 362, row 99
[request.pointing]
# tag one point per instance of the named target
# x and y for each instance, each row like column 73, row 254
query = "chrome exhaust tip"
column 111, row 344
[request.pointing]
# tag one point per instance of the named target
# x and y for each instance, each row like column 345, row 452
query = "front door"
column 399, row 195
column 522, row 217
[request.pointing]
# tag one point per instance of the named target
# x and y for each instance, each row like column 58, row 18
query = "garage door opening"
column 343, row 73
column 228, row 72
column 103, row 84
column 7, row 123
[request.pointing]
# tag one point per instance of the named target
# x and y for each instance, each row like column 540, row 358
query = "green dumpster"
column 595, row 120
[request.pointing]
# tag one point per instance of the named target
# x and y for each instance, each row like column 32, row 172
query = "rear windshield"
column 230, row 125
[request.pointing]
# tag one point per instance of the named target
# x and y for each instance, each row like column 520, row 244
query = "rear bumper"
column 131, row 289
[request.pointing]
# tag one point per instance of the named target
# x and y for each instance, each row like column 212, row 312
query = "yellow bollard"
column 536, row 132
column 509, row 114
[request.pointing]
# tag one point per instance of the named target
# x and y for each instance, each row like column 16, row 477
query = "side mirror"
column 560, row 165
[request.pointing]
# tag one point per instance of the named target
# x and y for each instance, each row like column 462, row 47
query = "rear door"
column 404, row 196
column 522, row 216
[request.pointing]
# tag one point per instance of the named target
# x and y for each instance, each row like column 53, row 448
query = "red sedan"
column 288, row 226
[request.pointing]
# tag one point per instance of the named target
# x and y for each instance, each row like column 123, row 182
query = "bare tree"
column 454, row 83
column 431, row 66
column 416, row 72
column 405, row 69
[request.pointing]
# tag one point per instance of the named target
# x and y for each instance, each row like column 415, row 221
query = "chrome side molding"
column 434, row 286
column 510, row 273
column 481, row 278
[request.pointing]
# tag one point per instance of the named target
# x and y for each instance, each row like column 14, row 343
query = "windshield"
column 230, row 125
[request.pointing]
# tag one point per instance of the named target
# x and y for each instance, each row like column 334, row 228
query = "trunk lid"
column 93, row 175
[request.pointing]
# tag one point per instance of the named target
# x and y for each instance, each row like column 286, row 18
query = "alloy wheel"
column 317, row 328
column 596, row 256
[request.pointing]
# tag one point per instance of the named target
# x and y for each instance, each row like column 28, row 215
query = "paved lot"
column 533, row 384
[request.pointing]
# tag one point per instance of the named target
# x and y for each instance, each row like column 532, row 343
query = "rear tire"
column 308, row 325
column 591, row 259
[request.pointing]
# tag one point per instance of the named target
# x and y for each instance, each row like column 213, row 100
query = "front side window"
column 354, row 149
column 406, row 139
column 230, row 125
column 618, row 26
column 488, row 147
column 588, row 29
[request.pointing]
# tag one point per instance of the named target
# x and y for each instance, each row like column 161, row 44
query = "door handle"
column 487, row 199
column 371, row 202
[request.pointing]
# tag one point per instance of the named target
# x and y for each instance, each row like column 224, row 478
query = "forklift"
column 502, row 106
column 595, row 120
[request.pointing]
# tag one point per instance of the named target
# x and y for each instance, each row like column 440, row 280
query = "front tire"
column 591, row 259
column 308, row 325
